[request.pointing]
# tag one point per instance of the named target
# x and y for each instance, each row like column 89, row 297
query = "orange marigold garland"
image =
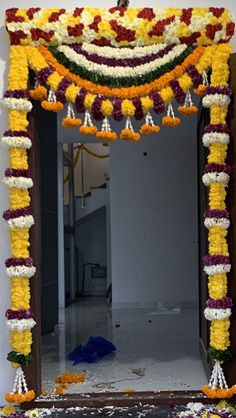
column 149, row 128
column 201, row 89
column 106, row 133
column 188, row 109
column 88, row 128
column 128, row 133
column 40, row 93
column 52, row 104
column 20, row 392
column 70, row 121
column 171, row 120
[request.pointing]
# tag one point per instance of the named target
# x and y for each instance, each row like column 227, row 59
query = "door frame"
column 33, row 372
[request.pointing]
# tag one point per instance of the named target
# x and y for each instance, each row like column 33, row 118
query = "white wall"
column 6, row 373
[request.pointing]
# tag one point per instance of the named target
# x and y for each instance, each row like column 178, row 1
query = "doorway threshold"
column 119, row 399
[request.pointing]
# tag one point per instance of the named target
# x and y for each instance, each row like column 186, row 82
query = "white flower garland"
column 18, row 182
column 210, row 138
column 20, row 325
column 118, row 71
column 126, row 53
column 217, row 99
column 217, row 269
column 17, row 141
column 21, row 222
column 211, row 313
column 17, row 104
column 17, row 271
column 213, row 177
column 221, row 222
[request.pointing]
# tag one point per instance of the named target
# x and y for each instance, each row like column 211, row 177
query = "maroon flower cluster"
column 61, row 90
column 117, row 112
column 42, row 75
column 216, row 213
column 223, row 303
column 14, row 262
column 159, row 104
column 218, row 168
column 219, row 127
column 219, row 90
column 17, row 172
column 17, row 94
column 96, row 108
column 195, row 75
column 79, row 101
column 138, row 114
column 15, row 213
column 211, row 260
column 19, row 133
column 178, row 91
column 21, row 314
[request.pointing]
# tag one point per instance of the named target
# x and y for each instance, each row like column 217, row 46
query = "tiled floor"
column 156, row 350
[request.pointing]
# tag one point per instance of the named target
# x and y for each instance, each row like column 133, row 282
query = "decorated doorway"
column 126, row 64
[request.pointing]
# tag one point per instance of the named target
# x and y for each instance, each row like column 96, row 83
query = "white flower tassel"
column 52, row 97
column 205, row 78
column 20, row 385
column 70, row 111
column 217, row 378
column 188, row 100
column 87, row 119
column 128, row 124
column 149, row 119
column 106, row 127
column 170, row 111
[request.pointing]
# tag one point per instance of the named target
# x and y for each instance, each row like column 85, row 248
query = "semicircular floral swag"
column 120, row 64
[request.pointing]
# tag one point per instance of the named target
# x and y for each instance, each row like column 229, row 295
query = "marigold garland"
column 165, row 71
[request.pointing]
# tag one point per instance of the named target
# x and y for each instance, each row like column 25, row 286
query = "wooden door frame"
column 33, row 372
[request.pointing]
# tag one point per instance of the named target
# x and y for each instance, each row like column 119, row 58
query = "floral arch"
column 118, row 64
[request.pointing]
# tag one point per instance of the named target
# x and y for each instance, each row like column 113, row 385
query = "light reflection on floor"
column 155, row 350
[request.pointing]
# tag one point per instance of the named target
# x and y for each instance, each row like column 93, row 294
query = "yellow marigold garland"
column 218, row 247
column 20, row 340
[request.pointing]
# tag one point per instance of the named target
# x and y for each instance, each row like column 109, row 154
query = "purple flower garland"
column 14, row 262
column 121, row 62
column 17, row 94
column 17, row 172
column 220, row 128
column 21, row 314
column 223, row 303
column 211, row 260
column 218, row 168
column 16, row 213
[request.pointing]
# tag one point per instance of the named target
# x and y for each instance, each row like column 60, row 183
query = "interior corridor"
column 156, row 349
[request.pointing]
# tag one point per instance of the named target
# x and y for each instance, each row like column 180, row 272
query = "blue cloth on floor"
column 96, row 347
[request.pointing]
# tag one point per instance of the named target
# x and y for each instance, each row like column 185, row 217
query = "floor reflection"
column 156, row 349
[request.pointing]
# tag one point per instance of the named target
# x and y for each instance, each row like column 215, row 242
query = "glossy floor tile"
column 156, row 349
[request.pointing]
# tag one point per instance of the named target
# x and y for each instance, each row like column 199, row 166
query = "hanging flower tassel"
column 20, row 392
column 106, row 133
column 188, row 108
column 88, row 128
column 52, row 104
column 171, row 120
column 128, row 133
column 149, row 127
column 218, row 387
column 71, row 121
column 201, row 89
column 39, row 92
